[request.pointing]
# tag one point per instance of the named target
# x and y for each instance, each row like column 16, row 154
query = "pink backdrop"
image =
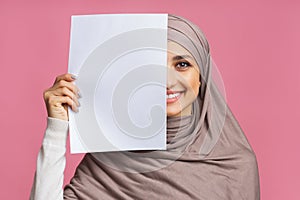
column 255, row 44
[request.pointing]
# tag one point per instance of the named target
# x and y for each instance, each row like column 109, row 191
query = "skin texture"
column 62, row 94
column 183, row 77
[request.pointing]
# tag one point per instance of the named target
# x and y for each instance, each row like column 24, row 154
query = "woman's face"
column 183, row 81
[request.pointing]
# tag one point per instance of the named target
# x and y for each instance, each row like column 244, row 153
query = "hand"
column 62, row 94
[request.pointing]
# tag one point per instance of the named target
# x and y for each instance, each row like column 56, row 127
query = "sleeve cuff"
column 56, row 132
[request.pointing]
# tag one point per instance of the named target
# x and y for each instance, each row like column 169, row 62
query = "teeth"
column 171, row 96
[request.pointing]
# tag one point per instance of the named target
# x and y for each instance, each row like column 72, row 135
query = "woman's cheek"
column 193, row 82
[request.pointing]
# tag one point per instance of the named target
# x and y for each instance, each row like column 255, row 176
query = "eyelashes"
column 182, row 65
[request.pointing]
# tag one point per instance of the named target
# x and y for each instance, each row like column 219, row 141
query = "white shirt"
column 51, row 162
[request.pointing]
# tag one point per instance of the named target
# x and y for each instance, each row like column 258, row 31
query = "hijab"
column 207, row 156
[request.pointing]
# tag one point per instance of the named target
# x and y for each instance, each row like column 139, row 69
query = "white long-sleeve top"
column 51, row 162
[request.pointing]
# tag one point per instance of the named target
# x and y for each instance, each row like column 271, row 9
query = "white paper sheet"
column 120, row 61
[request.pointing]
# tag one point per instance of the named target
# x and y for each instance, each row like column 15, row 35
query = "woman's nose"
column 171, row 77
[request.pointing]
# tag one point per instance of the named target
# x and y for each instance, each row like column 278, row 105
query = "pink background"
column 255, row 44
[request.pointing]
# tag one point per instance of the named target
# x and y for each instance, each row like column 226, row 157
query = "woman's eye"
column 183, row 65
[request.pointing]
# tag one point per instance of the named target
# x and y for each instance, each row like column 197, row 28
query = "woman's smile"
column 173, row 96
column 183, row 80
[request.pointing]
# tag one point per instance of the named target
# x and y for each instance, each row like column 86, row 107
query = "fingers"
column 64, row 86
column 67, row 77
column 51, row 97
column 68, row 85
column 64, row 91
column 57, row 101
column 66, row 80
column 62, row 94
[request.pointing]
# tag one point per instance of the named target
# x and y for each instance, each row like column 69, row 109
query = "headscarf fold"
column 207, row 156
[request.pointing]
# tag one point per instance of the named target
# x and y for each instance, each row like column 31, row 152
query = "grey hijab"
column 207, row 157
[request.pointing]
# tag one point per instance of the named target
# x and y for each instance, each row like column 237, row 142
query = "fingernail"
column 79, row 94
column 73, row 76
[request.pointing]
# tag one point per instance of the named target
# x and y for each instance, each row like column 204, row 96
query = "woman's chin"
column 176, row 111
column 173, row 113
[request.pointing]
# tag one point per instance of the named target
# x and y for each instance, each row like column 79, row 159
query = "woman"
column 207, row 157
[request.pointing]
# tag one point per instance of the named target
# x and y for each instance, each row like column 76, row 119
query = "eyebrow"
column 180, row 57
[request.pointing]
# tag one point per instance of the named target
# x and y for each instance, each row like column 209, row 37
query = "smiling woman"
column 207, row 156
column 183, row 81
